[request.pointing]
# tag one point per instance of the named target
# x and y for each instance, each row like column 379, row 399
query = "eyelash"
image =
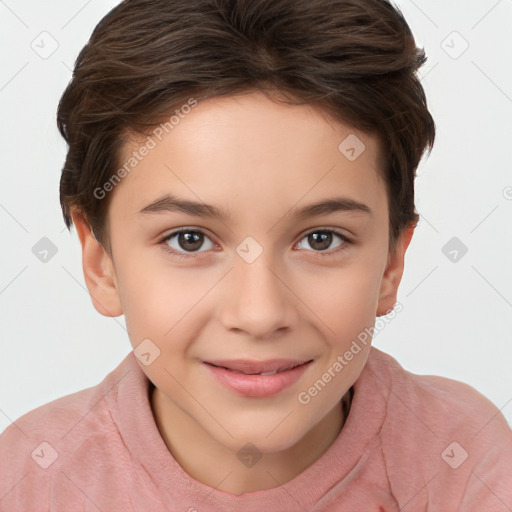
column 316, row 254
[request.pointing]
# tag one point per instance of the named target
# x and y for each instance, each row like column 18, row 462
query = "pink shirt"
column 410, row 443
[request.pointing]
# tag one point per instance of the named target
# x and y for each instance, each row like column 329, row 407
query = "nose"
column 257, row 300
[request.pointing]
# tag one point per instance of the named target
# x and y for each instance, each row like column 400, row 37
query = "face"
column 257, row 275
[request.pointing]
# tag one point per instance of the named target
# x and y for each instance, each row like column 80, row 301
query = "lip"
column 248, row 366
column 260, row 386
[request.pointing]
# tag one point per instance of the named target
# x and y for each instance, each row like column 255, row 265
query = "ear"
column 393, row 273
column 98, row 270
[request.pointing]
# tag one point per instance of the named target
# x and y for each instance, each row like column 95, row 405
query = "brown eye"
column 320, row 241
column 190, row 241
column 323, row 240
column 187, row 241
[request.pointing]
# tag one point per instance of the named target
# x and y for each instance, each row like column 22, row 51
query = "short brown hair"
column 354, row 59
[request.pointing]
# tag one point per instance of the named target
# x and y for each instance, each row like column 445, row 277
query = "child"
column 280, row 140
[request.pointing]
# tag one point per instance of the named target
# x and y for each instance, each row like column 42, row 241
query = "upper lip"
column 248, row 366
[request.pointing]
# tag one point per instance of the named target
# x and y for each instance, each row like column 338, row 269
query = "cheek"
column 347, row 300
column 157, row 296
column 162, row 308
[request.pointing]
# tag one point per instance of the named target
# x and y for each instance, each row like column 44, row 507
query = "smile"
column 263, row 383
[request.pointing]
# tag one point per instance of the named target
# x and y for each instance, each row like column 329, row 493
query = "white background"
column 457, row 316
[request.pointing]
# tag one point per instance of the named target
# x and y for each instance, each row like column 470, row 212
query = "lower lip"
column 258, row 385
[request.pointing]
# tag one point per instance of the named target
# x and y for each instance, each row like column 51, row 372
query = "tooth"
column 269, row 373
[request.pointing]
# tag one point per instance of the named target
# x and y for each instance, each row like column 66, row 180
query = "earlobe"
column 393, row 273
column 98, row 270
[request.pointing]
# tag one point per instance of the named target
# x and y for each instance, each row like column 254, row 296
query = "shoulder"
column 457, row 440
column 41, row 443
column 443, row 404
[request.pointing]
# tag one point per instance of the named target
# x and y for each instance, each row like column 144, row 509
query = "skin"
column 258, row 160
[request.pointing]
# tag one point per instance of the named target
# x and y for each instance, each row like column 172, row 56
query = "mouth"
column 258, row 379
column 269, row 367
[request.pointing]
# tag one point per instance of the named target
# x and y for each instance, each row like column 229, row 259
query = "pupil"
column 325, row 240
column 191, row 240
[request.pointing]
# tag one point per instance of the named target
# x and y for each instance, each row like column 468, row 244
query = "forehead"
column 249, row 152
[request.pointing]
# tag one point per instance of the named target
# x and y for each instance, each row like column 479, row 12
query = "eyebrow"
column 170, row 203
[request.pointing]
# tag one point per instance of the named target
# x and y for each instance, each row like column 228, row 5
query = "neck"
column 213, row 464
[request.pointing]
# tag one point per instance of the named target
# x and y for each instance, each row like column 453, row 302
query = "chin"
column 279, row 440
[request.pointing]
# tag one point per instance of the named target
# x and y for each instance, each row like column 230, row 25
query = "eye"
column 185, row 241
column 321, row 241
